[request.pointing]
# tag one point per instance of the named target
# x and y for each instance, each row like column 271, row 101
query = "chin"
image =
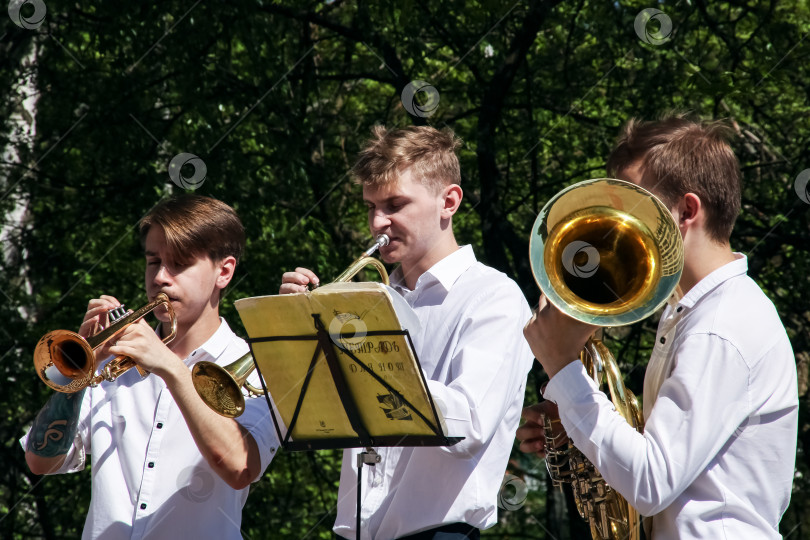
column 389, row 258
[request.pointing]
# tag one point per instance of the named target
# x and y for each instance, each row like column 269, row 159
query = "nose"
column 163, row 277
column 378, row 221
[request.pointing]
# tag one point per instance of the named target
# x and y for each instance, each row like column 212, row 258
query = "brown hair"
column 428, row 152
column 681, row 156
column 196, row 225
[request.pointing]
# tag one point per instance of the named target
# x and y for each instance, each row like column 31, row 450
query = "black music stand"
column 328, row 347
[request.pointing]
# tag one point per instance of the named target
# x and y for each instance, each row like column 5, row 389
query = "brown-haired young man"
column 163, row 464
column 720, row 393
column 470, row 348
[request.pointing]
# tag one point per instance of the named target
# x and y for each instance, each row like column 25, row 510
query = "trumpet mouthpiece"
column 382, row 240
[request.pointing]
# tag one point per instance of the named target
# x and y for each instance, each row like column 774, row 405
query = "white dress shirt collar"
column 707, row 284
column 213, row 346
column 445, row 272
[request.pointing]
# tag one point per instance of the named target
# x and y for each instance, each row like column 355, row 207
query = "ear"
column 225, row 270
column 689, row 210
column 451, row 199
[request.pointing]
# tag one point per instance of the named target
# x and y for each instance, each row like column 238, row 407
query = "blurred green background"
column 277, row 97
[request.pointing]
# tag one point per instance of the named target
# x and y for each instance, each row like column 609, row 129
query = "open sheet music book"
column 369, row 329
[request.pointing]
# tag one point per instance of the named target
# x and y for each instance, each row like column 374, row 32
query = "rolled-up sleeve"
column 257, row 420
column 76, row 457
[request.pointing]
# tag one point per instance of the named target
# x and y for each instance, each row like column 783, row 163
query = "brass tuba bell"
column 608, row 253
column 221, row 387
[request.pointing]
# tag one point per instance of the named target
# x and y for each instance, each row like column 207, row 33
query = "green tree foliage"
column 277, row 97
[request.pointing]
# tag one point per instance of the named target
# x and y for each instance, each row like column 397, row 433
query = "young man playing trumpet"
column 716, row 458
column 163, row 464
column 470, row 347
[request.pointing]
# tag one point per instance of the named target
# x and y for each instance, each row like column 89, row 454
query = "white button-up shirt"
column 149, row 480
column 473, row 354
column 716, row 459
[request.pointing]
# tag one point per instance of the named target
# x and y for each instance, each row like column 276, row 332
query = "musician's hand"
column 95, row 320
column 555, row 338
column 140, row 342
column 298, row 281
column 531, row 434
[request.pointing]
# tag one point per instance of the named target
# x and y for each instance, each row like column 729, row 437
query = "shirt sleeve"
column 76, row 456
column 257, row 420
column 489, row 367
column 698, row 409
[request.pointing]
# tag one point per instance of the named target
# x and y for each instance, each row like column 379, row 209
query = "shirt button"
column 160, row 425
column 143, row 506
column 680, row 308
column 151, row 465
column 663, row 340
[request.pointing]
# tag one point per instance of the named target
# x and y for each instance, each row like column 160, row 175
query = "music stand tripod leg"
column 370, row 458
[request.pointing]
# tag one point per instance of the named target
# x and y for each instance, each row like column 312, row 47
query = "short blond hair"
column 430, row 154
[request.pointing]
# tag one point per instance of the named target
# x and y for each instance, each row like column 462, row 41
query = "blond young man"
column 163, row 464
column 717, row 455
column 470, row 348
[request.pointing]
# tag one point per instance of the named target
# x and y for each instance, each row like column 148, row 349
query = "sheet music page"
column 356, row 316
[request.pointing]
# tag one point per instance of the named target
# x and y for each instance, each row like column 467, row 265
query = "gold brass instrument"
column 367, row 260
column 608, row 253
column 66, row 361
column 221, row 387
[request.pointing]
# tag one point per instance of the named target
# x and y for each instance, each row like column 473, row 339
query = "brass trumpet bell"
column 66, row 362
column 221, row 387
column 606, row 252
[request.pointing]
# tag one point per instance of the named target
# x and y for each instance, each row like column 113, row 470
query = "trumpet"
column 66, row 361
column 221, row 387
column 608, row 253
